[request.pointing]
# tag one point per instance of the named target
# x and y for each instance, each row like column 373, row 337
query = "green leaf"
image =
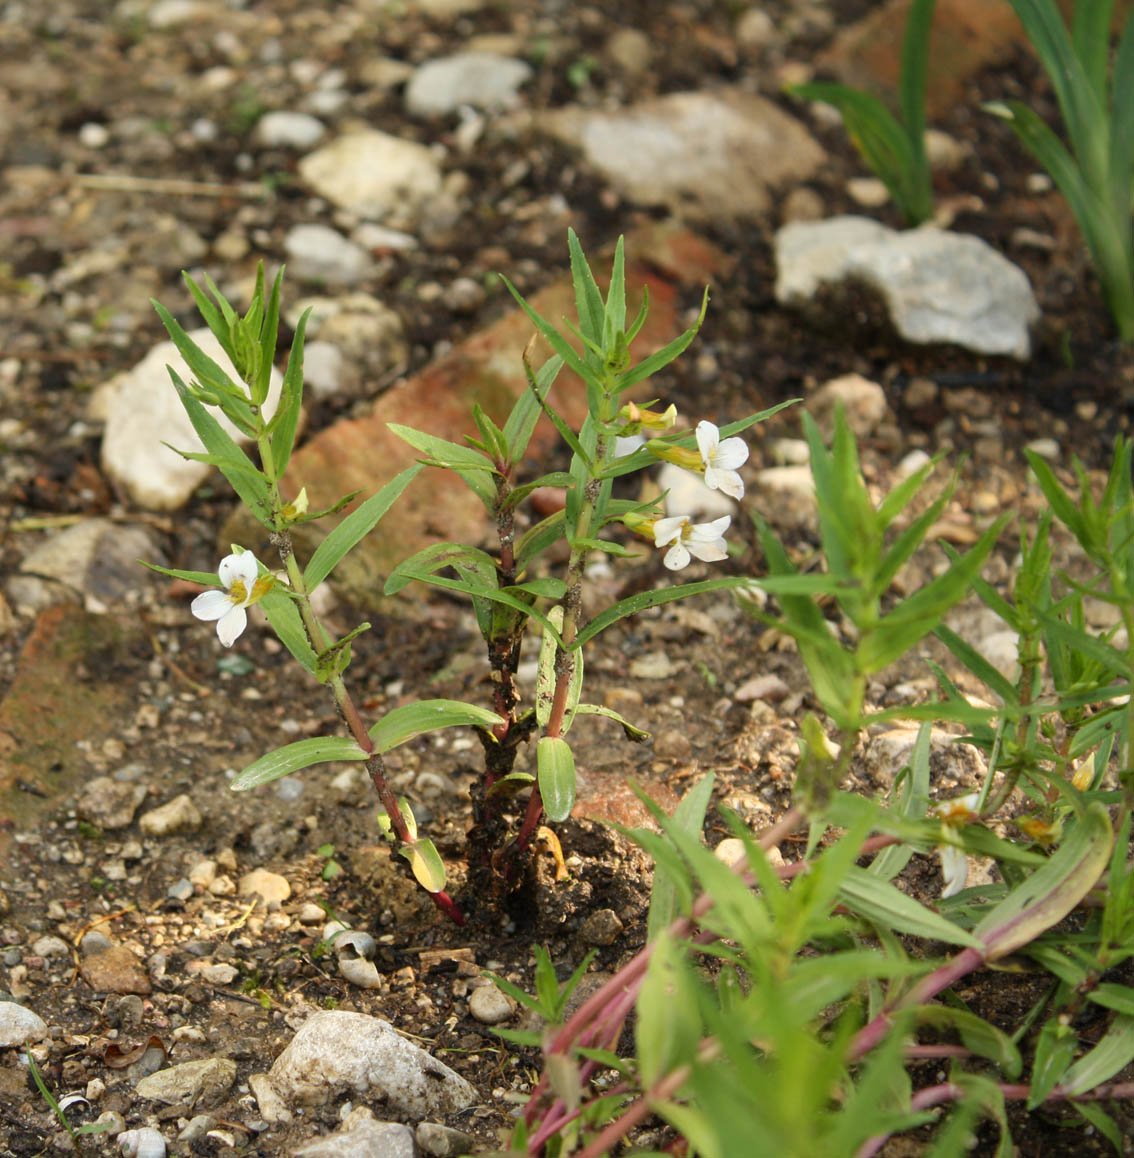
column 1096, row 1116
column 1055, row 1049
column 556, row 766
column 354, row 528
column 978, row 665
column 977, row 1035
column 913, row 804
column 668, row 1025
column 632, row 732
column 252, row 488
column 546, row 678
column 1053, row 890
column 285, row 421
column 880, row 902
column 286, row 623
column 400, row 725
column 554, row 338
column 662, row 358
column 1113, row 996
column 527, row 409
column 475, row 468
column 425, row 860
column 204, row 578
column 640, row 602
column 688, row 816
column 292, row 757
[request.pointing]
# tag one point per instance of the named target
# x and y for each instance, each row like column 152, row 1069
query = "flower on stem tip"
column 685, row 539
column 721, row 460
column 954, row 814
column 243, row 587
column 639, row 418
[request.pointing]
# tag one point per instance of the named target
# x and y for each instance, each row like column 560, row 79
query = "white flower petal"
column 211, row 605
column 711, row 551
column 731, row 453
column 726, row 481
column 669, row 530
column 242, row 567
column 954, row 869
column 676, row 557
column 707, row 532
column 708, row 436
column 230, row 626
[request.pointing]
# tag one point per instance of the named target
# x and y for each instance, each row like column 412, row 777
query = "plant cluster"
column 778, row 1008
column 791, row 1009
column 1095, row 94
column 513, row 587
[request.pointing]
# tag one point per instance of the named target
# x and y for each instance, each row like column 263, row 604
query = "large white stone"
column 704, row 155
column 338, row 1054
column 145, row 412
column 938, row 286
column 480, row 80
column 19, row 1025
column 373, row 174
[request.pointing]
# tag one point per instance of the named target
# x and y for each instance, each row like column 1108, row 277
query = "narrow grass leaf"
column 294, row 757
column 688, row 816
column 412, row 720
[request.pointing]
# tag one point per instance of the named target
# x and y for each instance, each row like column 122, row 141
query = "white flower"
column 705, row 540
column 955, row 813
column 721, row 460
column 954, row 869
column 239, row 574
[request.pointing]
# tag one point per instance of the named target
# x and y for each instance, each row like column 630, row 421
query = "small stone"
column 270, row 887
column 489, row 1006
column 868, row 192
column 762, row 687
column 205, row 1081
column 289, row 130
column 219, row 974
column 602, row 927
column 319, row 253
column 50, row 946
column 272, row 1106
column 19, row 1025
column 311, row 913
column 94, row 942
column 362, row 1137
column 115, row 970
column 672, row 744
column 180, row 890
column 654, row 666
column 178, row 815
column 440, row 1141
column 144, row 1142
column 464, row 295
column 1046, row 448
column 92, row 135
column 862, row 401
column 479, row 80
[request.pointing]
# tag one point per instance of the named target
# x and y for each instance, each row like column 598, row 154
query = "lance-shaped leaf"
column 251, row 488
column 688, row 816
column 632, row 733
column 292, row 757
column 555, row 763
column 1113, row 1052
column 354, row 528
column 475, row 468
column 286, row 622
column 976, row 1034
column 1053, row 890
column 285, row 421
column 880, row 902
column 412, row 720
column 426, row 862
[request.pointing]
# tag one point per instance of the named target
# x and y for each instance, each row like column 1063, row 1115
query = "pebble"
column 320, row 253
column 19, row 1025
column 336, row 1052
column 219, row 974
column 145, row 1142
column 479, row 80
column 1046, row 448
column 92, row 135
column 177, row 815
column 602, row 927
column 770, row 688
column 94, row 942
column 440, row 1141
column 50, row 946
column 206, row 1080
column 362, row 1137
column 672, row 744
column 289, row 130
column 270, row 887
column 863, row 403
column 489, row 1006
column 115, row 970
column 654, row 666
column 110, row 804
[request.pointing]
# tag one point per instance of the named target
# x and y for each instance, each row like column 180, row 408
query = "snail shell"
column 143, row 1143
column 358, row 971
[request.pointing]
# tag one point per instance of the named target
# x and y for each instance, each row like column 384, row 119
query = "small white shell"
column 358, row 971
column 143, row 1143
column 355, row 944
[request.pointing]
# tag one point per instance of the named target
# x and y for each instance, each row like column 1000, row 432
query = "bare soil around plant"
column 160, row 696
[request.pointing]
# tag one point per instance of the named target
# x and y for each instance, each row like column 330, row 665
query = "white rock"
column 93, row 135
column 938, row 286
column 379, row 237
column 322, row 369
column 362, row 1137
column 912, row 463
column 793, row 480
column 145, row 412
column 178, row 815
column 704, row 155
column 269, row 887
column 373, row 174
column 1046, row 448
column 19, row 1025
column 489, row 1006
column 206, row 1081
column 480, row 80
column 336, row 1053
column 863, row 403
column 289, row 130
column 443, row 1141
column 319, row 253
column 869, row 192
column 273, row 1109
column 889, row 752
